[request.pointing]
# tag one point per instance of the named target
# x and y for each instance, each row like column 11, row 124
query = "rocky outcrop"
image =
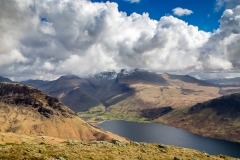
column 140, row 76
column 107, row 75
column 21, row 95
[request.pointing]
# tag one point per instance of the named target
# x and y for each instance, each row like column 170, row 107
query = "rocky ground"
column 101, row 150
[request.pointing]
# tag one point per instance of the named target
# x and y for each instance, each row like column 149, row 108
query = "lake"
column 159, row 133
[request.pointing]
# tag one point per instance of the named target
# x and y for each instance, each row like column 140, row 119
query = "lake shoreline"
column 170, row 136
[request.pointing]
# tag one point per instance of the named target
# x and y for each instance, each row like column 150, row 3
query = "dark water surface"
column 158, row 133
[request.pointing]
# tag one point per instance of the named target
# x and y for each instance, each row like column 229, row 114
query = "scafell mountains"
column 139, row 89
column 140, row 95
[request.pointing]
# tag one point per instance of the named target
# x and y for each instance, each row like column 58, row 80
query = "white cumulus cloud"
column 228, row 4
column 181, row 12
column 222, row 49
column 81, row 37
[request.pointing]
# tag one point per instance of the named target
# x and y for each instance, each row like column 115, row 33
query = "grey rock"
column 162, row 146
column 134, row 143
column 177, row 158
column 59, row 158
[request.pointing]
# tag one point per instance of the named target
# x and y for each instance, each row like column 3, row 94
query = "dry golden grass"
column 23, row 120
column 15, row 138
column 101, row 151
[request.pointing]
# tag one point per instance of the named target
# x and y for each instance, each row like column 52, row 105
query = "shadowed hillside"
column 228, row 106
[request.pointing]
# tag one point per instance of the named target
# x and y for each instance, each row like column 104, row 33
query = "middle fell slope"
column 28, row 111
column 217, row 118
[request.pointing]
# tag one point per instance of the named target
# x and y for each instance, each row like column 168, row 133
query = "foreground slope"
column 217, row 118
column 99, row 150
column 28, row 111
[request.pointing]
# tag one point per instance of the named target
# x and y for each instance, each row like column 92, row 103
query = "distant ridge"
column 225, row 81
column 40, row 84
column 3, row 79
column 189, row 79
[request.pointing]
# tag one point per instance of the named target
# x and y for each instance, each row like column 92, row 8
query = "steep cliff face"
column 26, row 110
column 24, row 96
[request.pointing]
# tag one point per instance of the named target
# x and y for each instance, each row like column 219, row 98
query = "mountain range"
column 107, row 88
column 139, row 88
column 140, row 95
column 225, row 81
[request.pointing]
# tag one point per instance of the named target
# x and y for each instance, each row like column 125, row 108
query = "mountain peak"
column 109, row 74
column 69, row 77
column 126, row 72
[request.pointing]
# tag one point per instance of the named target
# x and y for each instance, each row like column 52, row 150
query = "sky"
column 47, row 39
column 205, row 13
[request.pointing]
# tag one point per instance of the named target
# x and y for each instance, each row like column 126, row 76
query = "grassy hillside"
column 217, row 118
